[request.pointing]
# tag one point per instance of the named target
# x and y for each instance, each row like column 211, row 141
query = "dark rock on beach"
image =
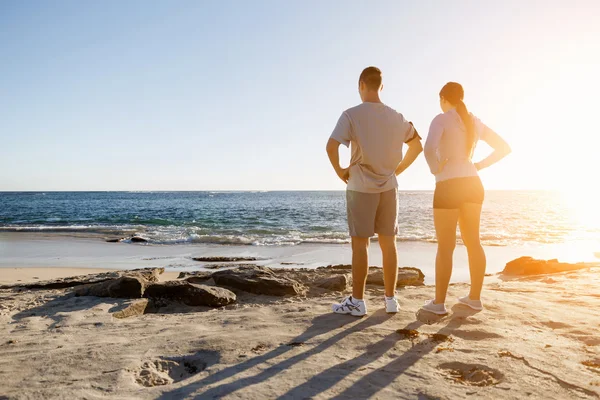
column 258, row 280
column 128, row 287
column 114, row 240
column 530, row 266
column 191, row 294
column 337, row 283
column 148, row 274
column 406, row 277
column 138, row 239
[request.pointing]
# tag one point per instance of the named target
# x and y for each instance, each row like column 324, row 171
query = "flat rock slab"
column 190, row 294
column 147, row 274
column 125, row 287
column 258, row 280
column 224, row 259
column 530, row 266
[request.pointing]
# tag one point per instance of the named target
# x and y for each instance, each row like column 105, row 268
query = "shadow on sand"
column 365, row 387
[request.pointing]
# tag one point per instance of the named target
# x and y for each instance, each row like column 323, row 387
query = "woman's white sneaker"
column 439, row 309
column 476, row 305
column 358, row 308
column 391, row 305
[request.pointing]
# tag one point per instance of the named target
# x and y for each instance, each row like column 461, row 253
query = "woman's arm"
column 501, row 148
column 432, row 143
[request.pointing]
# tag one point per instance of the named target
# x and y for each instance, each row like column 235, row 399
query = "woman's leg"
column 470, row 215
column 445, row 221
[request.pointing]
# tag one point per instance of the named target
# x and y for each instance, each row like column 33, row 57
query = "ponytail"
column 462, row 111
column 453, row 92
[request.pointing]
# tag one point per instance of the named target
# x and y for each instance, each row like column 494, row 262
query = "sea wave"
column 177, row 235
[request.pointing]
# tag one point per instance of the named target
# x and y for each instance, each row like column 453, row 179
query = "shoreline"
column 27, row 250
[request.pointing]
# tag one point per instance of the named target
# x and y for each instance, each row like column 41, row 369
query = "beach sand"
column 537, row 338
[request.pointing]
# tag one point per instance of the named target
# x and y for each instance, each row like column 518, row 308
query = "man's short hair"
column 371, row 76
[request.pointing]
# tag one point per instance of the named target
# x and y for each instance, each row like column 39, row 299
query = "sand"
column 538, row 338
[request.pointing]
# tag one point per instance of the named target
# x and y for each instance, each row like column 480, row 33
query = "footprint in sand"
column 587, row 338
column 592, row 365
column 471, row 374
column 167, row 370
column 556, row 325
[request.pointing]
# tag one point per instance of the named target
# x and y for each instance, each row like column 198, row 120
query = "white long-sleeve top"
column 445, row 148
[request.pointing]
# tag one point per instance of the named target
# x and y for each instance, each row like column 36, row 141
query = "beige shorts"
column 372, row 213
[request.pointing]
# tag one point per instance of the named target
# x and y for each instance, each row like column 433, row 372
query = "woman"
column 459, row 193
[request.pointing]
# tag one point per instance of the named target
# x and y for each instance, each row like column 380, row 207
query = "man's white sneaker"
column 439, row 309
column 358, row 308
column 391, row 305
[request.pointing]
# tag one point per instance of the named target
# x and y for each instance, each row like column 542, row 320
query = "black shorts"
column 453, row 193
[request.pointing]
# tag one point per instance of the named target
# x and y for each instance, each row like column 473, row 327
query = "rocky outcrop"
column 190, row 294
column 530, row 266
column 258, row 280
column 148, row 274
column 126, row 287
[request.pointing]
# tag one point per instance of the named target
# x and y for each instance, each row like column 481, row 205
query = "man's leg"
column 361, row 223
column 386, row 226
column 390, row 263
column 360, row 266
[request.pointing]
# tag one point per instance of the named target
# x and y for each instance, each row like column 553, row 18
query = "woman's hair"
column 454, row 93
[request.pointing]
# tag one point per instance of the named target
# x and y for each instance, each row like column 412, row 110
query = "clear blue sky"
column 242, row 95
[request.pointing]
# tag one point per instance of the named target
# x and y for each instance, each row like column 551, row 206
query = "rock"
column 337, row 283
column 224, row 259
column 138, row 239
column 344, row 267
column 195, row 276
column 222, row 266
column 114, row 240
column 191, row 294
column 127, row 287
column 136, row 308
column 531, row 266
column 406, row 277
column 149, row 274
column 258, row 280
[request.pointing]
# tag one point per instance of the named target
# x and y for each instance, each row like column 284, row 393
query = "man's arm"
column 334, row 157
column 415, row 147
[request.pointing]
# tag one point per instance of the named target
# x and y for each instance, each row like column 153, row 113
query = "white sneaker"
column 439, row 309
column 358, row 308
column 476, row 305
column 391, row 305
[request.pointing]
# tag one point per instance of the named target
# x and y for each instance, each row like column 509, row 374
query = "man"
column 377, row 133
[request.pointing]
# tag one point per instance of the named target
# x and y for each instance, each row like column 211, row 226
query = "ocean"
column 510, row 218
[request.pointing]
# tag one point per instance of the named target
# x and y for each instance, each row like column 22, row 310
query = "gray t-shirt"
column 377, row 133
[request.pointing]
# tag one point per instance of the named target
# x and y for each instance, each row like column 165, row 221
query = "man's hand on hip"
column 344, row 174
